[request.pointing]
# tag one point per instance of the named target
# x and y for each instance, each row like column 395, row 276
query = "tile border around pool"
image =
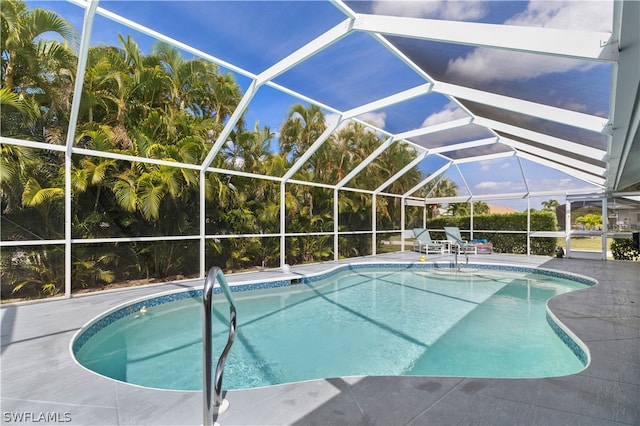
column 129, row 308
column 109, row 317
column 569, row 339
column 447, row 265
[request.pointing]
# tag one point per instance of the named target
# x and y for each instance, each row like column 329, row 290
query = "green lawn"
column 586, row 243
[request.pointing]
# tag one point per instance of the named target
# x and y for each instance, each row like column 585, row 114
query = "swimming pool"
column 392, row 319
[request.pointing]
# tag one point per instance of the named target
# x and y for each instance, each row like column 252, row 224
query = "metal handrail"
column 208, row 409
column 458, row 245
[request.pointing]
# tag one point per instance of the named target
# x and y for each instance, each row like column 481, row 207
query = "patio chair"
column 453, row 235
column 423, row 240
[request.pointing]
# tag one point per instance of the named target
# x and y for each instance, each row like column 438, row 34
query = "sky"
column 358, row 69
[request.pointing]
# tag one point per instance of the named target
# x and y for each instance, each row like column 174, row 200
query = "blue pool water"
column 402, row 321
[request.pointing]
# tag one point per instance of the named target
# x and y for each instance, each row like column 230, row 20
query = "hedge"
column 503, row 243
column 624, row 249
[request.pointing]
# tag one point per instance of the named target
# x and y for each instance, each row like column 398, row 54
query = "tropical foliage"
column 624, row 249
column 464, row 209
column 590, row 221
column 160, row 106
column 550, row 204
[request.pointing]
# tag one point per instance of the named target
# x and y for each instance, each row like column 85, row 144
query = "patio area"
column 39, row 377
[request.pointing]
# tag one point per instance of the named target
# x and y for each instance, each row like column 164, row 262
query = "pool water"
column 398, row 322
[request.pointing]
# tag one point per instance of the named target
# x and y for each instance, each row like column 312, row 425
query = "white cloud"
column 488, row 165
column 484, row 64
column 445, row 9
column 569, row 15
column 450, row 112
column 578, row 107
column 498, row 187
column 562, row 184
column 559, row 183
column 414, row 9
column 494, row 187
column 463, row 10
column 331, row 119
column 377, row 119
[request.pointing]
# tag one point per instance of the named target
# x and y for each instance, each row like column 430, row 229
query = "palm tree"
column 445, row 187
column 31, row 191
column 17, row 110
column 459, row 209
column 464, row 209
column 480, row 207
column 352, row 145
column 22, row 51
column 197, row 86
column 37, row 74
column 550, row 204
column 340, row 154
column 256, row 148
column 302, row 128
column 16, row 165
column 220, row 98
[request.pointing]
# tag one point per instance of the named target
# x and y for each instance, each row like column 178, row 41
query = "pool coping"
column 38, row 375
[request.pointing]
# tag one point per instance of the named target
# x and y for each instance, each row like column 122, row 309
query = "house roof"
column 501, row 209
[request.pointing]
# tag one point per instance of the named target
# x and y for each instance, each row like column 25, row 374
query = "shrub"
column 623, row 249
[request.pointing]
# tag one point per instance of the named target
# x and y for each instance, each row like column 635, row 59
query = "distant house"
column 620, row 217
column 624, row 217
column 501, row 210
column 443, row 211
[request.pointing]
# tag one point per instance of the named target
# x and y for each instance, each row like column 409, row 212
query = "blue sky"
column 357, row 69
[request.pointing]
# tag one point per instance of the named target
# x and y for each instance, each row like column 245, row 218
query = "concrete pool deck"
column 40, row 380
